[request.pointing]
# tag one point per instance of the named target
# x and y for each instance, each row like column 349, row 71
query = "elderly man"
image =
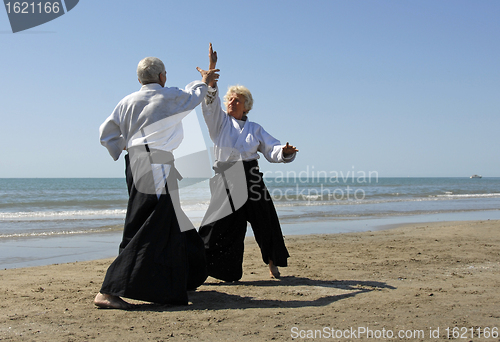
column 161, row 254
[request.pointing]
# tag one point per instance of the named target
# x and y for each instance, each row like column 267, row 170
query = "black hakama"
column 224, row 238
column 157, row 262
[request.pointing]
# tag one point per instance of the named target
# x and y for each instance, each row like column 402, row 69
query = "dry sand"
column 412, row 279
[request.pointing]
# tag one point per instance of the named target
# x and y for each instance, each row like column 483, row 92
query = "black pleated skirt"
column 157, row 262
column 224, row 238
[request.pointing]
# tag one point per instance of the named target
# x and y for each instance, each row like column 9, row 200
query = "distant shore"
column 414, row 279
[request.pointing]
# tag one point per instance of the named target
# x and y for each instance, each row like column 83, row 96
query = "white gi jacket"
column 153, row 116
column 236, row 139
column 153, row 109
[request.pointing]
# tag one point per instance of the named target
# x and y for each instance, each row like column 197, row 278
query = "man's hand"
column 288, row 150
column 209, row 77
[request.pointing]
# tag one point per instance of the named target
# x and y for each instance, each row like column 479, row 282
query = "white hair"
column 149, row 70
column 240, row 90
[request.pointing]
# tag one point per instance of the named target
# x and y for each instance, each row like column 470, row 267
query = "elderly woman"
column 237, row 140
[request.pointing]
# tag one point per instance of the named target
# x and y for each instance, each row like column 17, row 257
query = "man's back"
column 151, row 115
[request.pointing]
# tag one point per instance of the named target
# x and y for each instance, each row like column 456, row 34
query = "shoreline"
column 414, row 278
column 57, row 249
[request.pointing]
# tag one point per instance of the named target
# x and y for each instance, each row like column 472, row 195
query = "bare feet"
column 273, row 270
column 106, row 301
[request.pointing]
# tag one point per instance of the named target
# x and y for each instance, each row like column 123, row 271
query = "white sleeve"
column 196, row 91
column 271, row 148
column 290, row 158
column 111, row 136
column 212, row 112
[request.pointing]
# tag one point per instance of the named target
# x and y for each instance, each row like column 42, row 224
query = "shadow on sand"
column 218, row 299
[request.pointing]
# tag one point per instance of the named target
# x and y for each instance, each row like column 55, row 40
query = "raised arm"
column 213, row 57
column 210, row 77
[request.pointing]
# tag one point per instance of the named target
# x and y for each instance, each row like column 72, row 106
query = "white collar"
column 151, row 86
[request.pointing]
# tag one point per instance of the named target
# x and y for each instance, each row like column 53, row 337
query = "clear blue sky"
column 403, row 88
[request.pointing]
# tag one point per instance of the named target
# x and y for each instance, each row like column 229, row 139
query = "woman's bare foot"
column 273, row 270
column 106, row 301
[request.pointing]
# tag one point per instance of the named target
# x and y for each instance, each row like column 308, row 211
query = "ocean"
column 54, row 220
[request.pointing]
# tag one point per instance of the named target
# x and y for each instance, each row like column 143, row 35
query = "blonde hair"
column 240, row 90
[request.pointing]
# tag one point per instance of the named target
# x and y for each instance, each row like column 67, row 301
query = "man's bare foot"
column 273, row 270
column 106, row 301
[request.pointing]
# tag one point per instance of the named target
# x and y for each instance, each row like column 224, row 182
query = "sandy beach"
column 418, row 282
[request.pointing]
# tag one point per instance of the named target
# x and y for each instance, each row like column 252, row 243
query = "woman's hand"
column 212, row 55
column 288, row 150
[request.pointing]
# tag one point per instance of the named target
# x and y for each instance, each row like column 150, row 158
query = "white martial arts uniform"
column 151, row 116
column 236, row 139
column 161, row 255
column 239, row 194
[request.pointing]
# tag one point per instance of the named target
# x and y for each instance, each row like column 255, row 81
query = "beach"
column 417, row 282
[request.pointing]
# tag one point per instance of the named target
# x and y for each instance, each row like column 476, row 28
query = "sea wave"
column 201, row 206
column 288, row 200
column 328, row 200
column 69, row 214
column 450, row 195
column 327, row 215
column 54, row 233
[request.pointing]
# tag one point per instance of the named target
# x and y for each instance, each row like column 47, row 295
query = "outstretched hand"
column 209, row 77
column 288, row 150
